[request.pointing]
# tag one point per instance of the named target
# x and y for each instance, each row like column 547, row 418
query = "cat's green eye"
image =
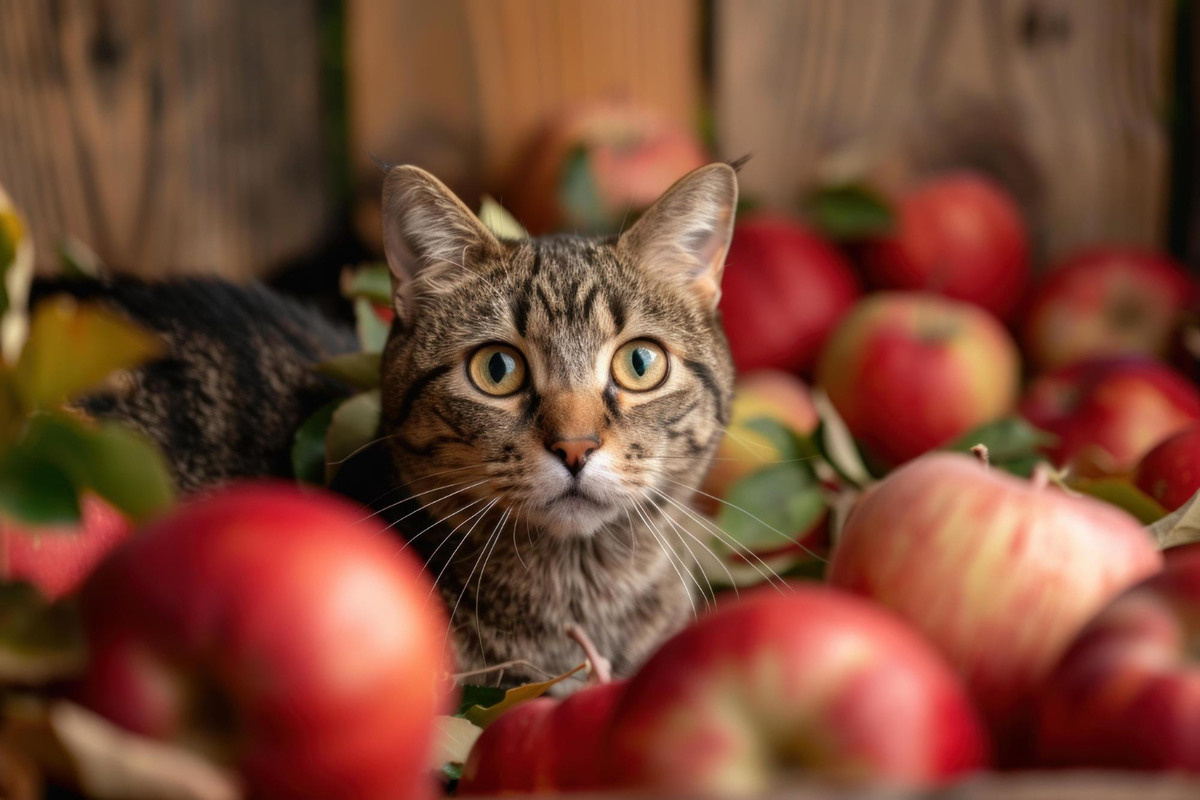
column 639, row 365
column 497, row 369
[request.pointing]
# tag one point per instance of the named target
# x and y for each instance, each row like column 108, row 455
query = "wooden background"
column 194, row 135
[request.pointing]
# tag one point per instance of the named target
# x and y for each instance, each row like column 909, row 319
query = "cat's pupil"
column 499, row 365
column 640, row 359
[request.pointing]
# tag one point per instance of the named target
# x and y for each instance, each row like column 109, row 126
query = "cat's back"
column 236, row 380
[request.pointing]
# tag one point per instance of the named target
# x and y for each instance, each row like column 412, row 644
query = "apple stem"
column 980, row 451
column 599, row 667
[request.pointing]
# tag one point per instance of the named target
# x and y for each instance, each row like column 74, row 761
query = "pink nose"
column 574, row 452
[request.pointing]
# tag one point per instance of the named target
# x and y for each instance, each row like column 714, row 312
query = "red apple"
column 783, row 290
column 960, row 235
column 280, row 632
column 594, row 168
column 543, row 745
column 1170, row 473
column 809, row 681
column 1106, row 415
column 56, row 559
column 1107, row 302
column 998, row 572
column 910, row 372
column 1127, row 693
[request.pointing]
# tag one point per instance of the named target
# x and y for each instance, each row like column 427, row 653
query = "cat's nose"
column 573, row 453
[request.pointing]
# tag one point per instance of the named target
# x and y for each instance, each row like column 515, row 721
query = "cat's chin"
column 574, row 516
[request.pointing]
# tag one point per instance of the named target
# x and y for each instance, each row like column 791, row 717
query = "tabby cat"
column 549, row 407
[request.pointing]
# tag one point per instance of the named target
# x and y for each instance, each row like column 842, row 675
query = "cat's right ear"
column 428, row 233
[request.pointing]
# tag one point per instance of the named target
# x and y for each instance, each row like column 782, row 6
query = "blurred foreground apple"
column 780, row 685
column 596, row 167
column 1107, row 302
column 998, row 572
column 1127, row 693
column 543, row 745
column 1170, row 473
column 56, row 559
column 1106, row 415
column 280, row 633
column 960, row 235
column 783, row 290
column 909, row 372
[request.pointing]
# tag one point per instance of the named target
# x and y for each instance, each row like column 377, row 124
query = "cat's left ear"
column 686, row 232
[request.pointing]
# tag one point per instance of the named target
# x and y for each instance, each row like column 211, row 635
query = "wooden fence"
column 193, row 135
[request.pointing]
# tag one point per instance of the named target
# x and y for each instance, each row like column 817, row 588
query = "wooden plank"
column 1063, row 100
column 460, row 86
column 172, row 137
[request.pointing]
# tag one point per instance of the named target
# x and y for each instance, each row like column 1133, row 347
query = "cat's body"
column 549, row 407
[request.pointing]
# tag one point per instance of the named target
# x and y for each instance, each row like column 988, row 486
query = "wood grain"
column 460, row 86
column 1063, row 100
column 180, row 136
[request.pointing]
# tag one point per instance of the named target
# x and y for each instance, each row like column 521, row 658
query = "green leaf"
column 372, row 331
column 370, row 281
column 354, row 425
column 73, row 347
column 579, row 196
column 500, row 221
column 472, row 695
column 117, row 463
column 791, row 446
column 774, row 505
column 850, row 211
column 484, row 716
column 37, row 491
column 78, row 261
column 308, row 445
column 40, row 641
column 1012, row 444
column 360, row 370
column 835, row 444
column 1121, row 493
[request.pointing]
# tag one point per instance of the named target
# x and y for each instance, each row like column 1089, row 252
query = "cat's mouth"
column 576, row 495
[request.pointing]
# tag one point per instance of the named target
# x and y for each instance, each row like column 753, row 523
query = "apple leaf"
column 116, row 462
column 360, row 370
column 1180, row 527
column 472, row 695
column 40, row 642
column 500, row 221
column 308, row 445
column 370, row 281
column 835, row 443
column 453, row 741
column 84, row 751
column 37, row 491
column 73, row 347
column 790, row 445
column 849, row 212
column 484, row 716
column 353, row 425
column 372, row 331
column 769, row 507
column 1121, row 493
column 1012, row 443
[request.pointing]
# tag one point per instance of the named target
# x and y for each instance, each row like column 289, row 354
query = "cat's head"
column 568, row 379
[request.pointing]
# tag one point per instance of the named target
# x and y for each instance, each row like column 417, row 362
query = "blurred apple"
column 998, row 572
column 1107, row 302
column 960, row 235
column 1170, row 473
column 764, row 394
column 280, row 633
column 783, row 290
column 909, row 372
column 596, row 167
column 57, row 558
column 1127, row 693
column 543, row 746
column 810, row 682
column 1106, row 415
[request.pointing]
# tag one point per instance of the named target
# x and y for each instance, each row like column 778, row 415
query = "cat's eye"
column 497, row 369
column 639, row 365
